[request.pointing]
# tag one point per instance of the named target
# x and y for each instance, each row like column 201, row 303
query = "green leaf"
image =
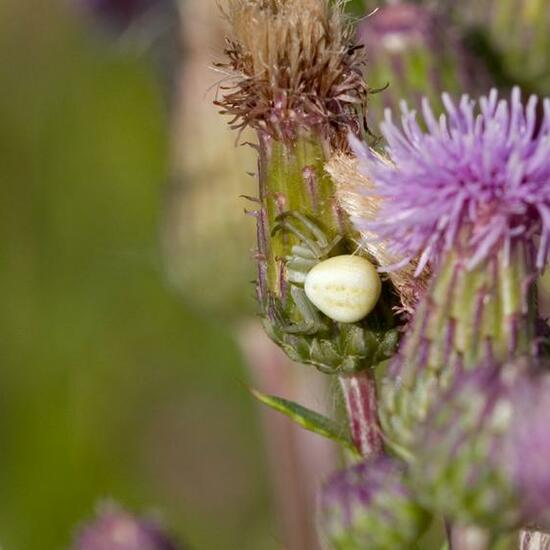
column 355, row 7
column 308, row 419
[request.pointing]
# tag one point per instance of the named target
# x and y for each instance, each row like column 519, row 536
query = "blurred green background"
column 124, row 268
column 110, row 386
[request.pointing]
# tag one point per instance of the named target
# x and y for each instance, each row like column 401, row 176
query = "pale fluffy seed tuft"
column 361, row 207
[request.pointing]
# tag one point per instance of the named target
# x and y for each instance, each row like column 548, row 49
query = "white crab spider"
column 345, row 288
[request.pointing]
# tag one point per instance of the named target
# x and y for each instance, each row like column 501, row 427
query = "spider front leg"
column 298, row 265
column 317, row 247
column 311, row 320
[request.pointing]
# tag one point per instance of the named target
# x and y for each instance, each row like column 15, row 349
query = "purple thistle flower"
column 116, row 529
column 477, row 180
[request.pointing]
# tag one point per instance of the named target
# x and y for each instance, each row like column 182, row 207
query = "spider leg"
column 312, row 322
column 297, row 269
column 313, row 227
column 333, row 244
column 303, row 252
column 299, row 263
column 297, row 277
column 318, row 247
column 288, row 226
column 304, row 256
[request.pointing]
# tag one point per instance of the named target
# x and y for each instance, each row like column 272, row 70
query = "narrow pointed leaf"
column 308, row 419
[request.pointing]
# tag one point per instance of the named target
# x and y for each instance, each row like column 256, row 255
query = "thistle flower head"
column 457, row 466
column 292, row 65
column 476, row 180
column 529, row 448
column 369, row 505
column 483, row 455
column 116, row 529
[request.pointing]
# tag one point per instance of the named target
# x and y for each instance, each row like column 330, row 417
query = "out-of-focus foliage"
column 208, row 242
column 415, row 52
column 109, row 387
column 512, row 38
column 502, row 42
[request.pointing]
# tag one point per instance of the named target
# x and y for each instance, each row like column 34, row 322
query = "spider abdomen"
column 345, row 288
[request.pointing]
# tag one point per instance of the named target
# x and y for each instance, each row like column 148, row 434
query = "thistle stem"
column 360, row 396
column 534, row 540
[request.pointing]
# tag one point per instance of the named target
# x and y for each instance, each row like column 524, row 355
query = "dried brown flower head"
column 293, row 66
column 350, row 190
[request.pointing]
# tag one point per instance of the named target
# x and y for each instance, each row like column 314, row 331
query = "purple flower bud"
column 395, row 27
column 370, row 506
column 529, row 448
column 416, row 52
column 116, row 529
column 397, row 36
column 482, row 458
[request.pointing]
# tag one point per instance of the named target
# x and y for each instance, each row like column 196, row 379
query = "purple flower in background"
column 396, row 27
column 529, row 448
column 476, row 180
column 116, row 529
column 360, row 484
column 370, row 505
column 118, row 12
